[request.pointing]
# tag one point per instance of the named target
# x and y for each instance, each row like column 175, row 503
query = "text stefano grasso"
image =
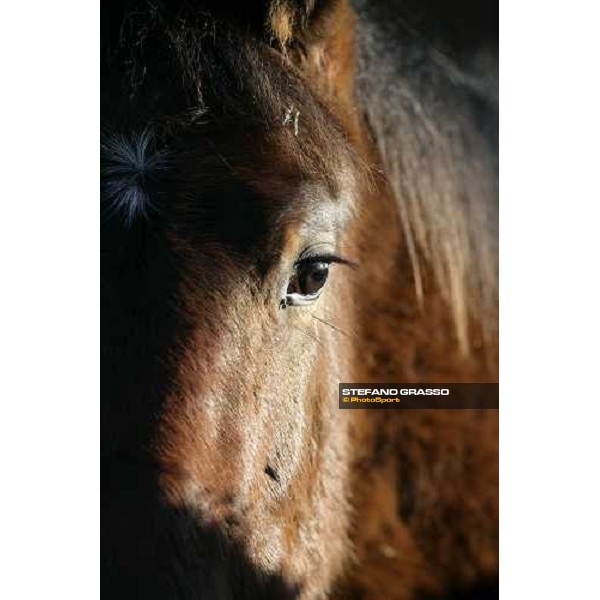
column 396, row 391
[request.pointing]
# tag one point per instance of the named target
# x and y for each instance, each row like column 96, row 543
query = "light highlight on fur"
column 128, row 167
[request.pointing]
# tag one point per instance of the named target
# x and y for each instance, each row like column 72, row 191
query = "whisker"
column 335, row 327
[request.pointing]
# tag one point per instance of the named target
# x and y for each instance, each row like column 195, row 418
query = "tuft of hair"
column 128, row 168
column 285, row 17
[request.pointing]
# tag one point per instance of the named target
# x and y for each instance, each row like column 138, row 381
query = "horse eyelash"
column 325, row 258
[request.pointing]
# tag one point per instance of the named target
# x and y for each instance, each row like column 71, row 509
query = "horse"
column 296, row 193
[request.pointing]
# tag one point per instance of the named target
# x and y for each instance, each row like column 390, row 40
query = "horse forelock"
column 235, row 107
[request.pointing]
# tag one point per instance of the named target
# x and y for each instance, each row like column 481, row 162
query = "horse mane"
column 429, row 95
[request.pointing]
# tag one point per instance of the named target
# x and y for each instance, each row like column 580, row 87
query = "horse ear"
column 317, row 35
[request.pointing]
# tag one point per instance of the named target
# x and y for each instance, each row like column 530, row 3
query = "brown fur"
column 249, row 482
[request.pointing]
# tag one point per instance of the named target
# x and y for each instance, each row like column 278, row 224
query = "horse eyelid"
column 325, row 258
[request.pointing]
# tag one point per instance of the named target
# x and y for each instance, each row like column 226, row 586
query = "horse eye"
column 307, row 282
